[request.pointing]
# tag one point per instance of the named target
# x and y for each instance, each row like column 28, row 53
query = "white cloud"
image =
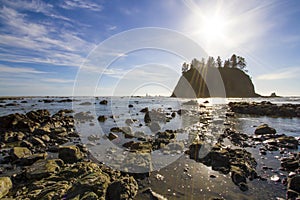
column 24, row 40
column 72, row 4
column 56, row 80
column 7, row 69
column 111, row 28
column 16, row 22
column 286, row 73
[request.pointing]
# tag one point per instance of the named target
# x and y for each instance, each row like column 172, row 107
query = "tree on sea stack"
column 219, row 62
column 241, row 62
column 233, row 60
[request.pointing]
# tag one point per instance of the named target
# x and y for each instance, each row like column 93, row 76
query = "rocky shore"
column 37, row 163
column 42, row 156
column 266, row 108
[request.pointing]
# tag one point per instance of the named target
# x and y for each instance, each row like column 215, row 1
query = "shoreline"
column 187, row 177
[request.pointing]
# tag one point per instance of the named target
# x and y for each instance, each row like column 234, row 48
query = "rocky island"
column 213, row 79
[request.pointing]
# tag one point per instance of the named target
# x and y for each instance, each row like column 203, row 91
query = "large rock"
column 123, row 189
column 70, row 154
column 5, row 186
column 20, row 152
column 293, row 187
column 43, row 168
column 235, row 82
column 264, row 129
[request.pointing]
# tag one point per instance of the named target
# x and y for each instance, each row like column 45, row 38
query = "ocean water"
column 118, row 107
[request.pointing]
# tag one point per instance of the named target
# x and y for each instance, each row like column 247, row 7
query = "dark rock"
column 130, row 106
column 27, row 144
column 103, row 102
column 112, row 136
column 182, row 112
column 123, row 189
column 238, row 177
column 85, row 104
column 70, row 154
column 173, row 114
column 102, row 118
column 273, row 94
column 264, row 129
column 11, row 104
column 141, row 147
column 191, row 103
column 39, row 116
column 83, row 116
column 294, row 185
column 65, row 100
column 43, row 168
column 5, row 186
column 29, row 160
column 37, row 142
column 48, row 100
column 144, row 110
column 193, row 85
column 266, row 108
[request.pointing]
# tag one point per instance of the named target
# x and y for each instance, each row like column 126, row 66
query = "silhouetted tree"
column 233, row 60
column 241, row 62
column 226, row 64
column 185, row 67
column 219, row 62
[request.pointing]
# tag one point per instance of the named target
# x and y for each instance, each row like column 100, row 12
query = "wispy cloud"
column 16, row 22
column 56, row 80
column 286, row 73
column 72, row 4
column 27, row 40
column 16, row 70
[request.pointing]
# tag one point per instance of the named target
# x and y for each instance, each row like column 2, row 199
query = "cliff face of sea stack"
column 214, row 82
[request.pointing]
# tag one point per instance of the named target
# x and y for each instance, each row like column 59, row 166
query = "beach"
column 148, row 148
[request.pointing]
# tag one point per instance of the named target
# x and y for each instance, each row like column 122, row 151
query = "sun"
column 214, row 27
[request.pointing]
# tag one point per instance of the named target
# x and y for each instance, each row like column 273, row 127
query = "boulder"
column 294, row 184
column 102, row 118
column 20, row 152
column 264, row 129
column 5, row 186
column 103, row 102
column 69, row 154
column 123, row 189
column 43, row 168
column 112, row 136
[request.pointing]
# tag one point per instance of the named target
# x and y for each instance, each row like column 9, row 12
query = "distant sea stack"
column 206, row 81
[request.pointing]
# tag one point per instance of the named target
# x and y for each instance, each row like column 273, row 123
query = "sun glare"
column 214, row 27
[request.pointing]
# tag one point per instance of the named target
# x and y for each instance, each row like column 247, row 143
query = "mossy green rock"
column 43, row 168
column 5, row 186
column 20, row 152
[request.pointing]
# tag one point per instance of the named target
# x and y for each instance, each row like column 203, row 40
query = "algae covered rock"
column 123, row 189
column 264, row 129
column 20, row 152
column 70, row 154
column 5, row 186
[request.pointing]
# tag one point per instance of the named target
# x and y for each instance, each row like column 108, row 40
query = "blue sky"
column 43, row 44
